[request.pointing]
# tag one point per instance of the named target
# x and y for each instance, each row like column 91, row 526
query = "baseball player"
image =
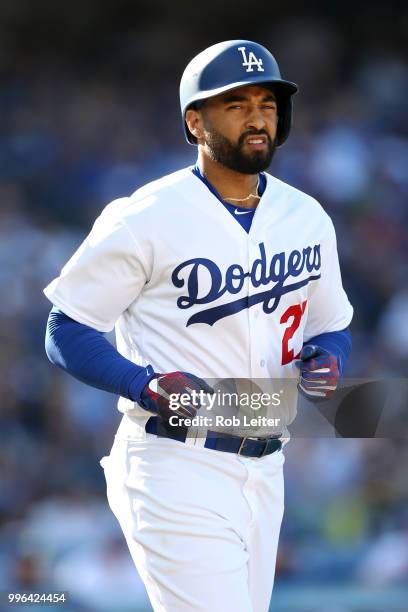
column 217, row 271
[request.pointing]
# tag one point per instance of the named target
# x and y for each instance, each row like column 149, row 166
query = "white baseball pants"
column 202, row 526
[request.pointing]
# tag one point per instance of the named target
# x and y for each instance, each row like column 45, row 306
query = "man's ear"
column 194, row 123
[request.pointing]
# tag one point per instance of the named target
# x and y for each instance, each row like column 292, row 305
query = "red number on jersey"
column 295, row 312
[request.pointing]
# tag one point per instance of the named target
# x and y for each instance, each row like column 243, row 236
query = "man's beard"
column 232, row 156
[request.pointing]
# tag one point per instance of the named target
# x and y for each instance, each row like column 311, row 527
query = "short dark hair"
column 196, row 105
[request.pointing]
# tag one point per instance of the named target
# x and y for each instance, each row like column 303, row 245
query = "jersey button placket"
column 258, row 319
column 253, row 314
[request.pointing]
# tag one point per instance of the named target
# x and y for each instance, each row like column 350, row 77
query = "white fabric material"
column 125, row 275
column 202, row 526
column 188, row 289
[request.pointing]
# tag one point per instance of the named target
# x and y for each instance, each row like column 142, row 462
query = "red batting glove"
column 155, row 397
column 319, row 373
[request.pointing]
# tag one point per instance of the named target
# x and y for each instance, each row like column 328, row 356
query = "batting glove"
column 156, row 395
column 319, row 373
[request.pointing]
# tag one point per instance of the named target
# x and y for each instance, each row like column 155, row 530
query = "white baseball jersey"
column 188, row 289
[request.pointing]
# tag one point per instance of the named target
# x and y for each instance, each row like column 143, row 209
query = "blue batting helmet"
column 232, row 64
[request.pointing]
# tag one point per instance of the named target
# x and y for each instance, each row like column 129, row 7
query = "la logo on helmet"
column 251, row 61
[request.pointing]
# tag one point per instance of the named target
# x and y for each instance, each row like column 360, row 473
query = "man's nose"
column 255, row 119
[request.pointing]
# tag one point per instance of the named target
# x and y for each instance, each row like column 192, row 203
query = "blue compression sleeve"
column 338, row 343
column 87, row 355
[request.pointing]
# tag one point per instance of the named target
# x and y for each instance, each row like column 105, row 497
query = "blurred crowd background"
column 89, row 112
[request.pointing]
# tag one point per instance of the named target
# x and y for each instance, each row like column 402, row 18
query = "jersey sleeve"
column 103, row 277
column 329, row 308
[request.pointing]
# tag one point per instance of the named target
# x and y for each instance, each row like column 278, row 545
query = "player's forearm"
column 87, row 355
column 338, row 343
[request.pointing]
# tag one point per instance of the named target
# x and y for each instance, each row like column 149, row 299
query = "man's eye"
column 270, row 106
column 235, row 106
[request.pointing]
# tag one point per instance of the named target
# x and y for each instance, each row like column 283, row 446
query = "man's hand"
column 319, row 373
column 163, row 388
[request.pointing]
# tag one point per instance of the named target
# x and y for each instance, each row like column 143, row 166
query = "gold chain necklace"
column 251, row 195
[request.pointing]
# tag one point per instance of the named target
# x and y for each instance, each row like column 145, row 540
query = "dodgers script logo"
column 279, row 270
column 251, row 61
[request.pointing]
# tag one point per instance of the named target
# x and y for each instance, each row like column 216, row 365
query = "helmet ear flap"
column 284, row 119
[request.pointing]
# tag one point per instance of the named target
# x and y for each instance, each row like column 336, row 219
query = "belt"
column 246, row 446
